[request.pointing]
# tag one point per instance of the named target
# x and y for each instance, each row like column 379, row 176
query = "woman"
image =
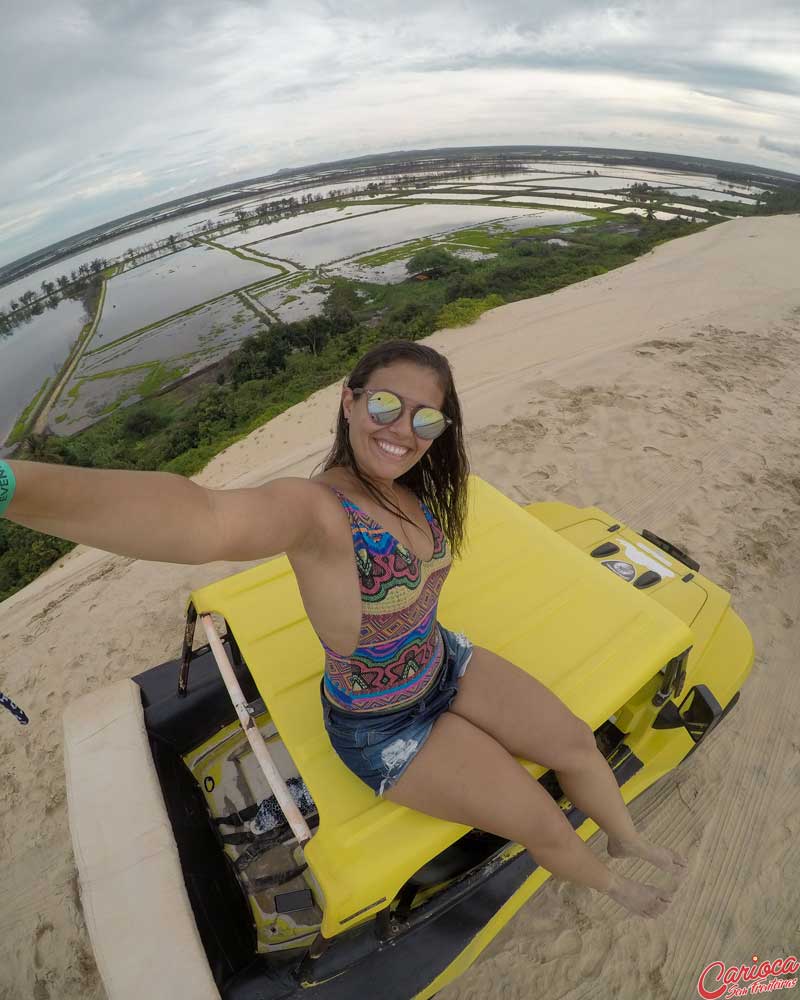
column 402, row 710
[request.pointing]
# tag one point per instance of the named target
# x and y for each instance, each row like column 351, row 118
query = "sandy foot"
column 642, row 899
column 661, row 857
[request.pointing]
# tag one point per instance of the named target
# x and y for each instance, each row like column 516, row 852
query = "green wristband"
column 7, row 485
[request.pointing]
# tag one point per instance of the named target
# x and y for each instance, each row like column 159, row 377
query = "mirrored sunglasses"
column 385, row 407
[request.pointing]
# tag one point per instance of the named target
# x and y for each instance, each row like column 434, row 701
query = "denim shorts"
column 379, row 748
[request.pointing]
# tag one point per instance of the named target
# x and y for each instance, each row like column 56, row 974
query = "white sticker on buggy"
column 643, row 559
column 656, row 553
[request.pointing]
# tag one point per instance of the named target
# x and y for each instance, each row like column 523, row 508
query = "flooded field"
column 252, row 234
column 299, row 192
column 129, row 368
column 708, row 195
column 176, row 314
column 105, row 251
column 565, row 192
column 663, row 216
column 690, row 208
column 292, row 304
column 510, row 186
column 456, row 195
column 510, row 176
column 535, row 199
column 533, row 218
column 588, row 184
column 154, row 291
column 326, row 244
column 395, row 271
column 32, row 353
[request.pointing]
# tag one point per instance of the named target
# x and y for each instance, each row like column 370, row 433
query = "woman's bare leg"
column 463, row 775
column 531, row 722
column 590, row 784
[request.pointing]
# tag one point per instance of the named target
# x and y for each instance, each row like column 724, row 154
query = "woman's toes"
column 680, row 866
column 662, row 857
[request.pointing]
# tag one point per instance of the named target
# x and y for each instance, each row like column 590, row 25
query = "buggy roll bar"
column 245, row 712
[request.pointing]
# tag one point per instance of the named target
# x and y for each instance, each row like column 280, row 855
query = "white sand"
column 666, row 392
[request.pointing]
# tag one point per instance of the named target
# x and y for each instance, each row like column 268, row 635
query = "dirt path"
column 40, row 424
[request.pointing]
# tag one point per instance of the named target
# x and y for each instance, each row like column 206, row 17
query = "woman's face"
column 414, row 384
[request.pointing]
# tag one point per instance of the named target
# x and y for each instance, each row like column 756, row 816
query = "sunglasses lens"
column 384, row 407
column 429, row 423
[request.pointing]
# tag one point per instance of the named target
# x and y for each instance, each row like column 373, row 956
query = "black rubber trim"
column 731, row 704
column 606, row 549
column 671, row 549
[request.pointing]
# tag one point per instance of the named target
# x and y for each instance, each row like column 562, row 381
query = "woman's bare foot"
column 642, row 899
column 661, row 857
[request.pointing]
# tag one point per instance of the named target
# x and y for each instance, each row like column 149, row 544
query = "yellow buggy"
column 225, row 851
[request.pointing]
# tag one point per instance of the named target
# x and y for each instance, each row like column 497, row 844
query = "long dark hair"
column 440, row 477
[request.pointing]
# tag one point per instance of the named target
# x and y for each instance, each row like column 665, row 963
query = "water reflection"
column 707, row 195
column 33, row 351
column 153, row 291
column 252, row 234
column 121, row 369
column 531, row 199
column 358, row 236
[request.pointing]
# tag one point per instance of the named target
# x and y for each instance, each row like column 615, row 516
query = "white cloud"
column 778, row 146
column 113, row 183
column 118, row 106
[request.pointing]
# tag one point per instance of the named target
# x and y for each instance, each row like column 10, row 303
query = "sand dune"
column 665, row 392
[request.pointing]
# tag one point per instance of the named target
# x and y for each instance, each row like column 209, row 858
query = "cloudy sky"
column 113, row 106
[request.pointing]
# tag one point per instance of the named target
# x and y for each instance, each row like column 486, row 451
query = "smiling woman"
column 371, row 539
column 402, row 393
column 399, row 708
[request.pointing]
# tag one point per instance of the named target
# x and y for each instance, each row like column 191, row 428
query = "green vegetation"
column 18, row 430
column 462, row 312
column 156, row 375
column 238, row 252
column 393, row 253
column 181, row 430
column 24, row 555
column 784, row 200
column 434, row 261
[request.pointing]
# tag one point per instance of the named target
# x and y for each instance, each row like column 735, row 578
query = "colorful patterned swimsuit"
column 400, row 649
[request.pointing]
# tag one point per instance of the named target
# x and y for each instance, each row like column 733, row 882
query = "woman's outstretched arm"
column 162, row 516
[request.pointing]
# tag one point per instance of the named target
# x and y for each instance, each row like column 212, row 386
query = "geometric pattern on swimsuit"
column 400, row 649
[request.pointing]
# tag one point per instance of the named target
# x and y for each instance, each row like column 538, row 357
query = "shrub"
column 462, row 312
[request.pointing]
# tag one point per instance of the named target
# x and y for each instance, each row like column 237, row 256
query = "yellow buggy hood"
column 520, row 590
